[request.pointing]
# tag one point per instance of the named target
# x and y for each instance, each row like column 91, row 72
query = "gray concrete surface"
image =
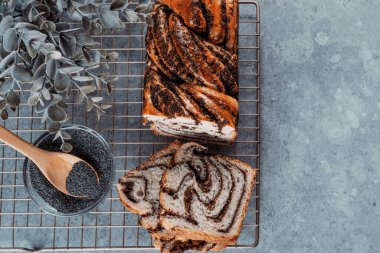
column 321, row 135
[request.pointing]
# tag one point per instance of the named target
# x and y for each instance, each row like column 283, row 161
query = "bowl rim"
column 45, row 206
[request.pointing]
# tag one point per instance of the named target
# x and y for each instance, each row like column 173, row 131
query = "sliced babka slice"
column 139, row 189
column 139, row 192
column 204, row 196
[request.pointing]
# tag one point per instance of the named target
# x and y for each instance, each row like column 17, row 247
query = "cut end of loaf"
column 188, row 128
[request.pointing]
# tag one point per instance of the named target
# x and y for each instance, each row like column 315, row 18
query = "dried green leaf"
column 96, row 99
column 24, row 27
column 149, row 20
column 33, row 100
column 31, row 51
column 38, row 62
column 118, row 5
column 4, row 114
column 88, row 89
column 96, row 28
column 109, row 18
column 72, row 69
column 48, row 26
column 7, row 85
column 113, row 80
column 57, row 135
column 61, row 82
column 54, row 127
column 82, row 78
column 98, row 112
column 6, row 61
column 40, row 71
column 92, row 45
column 7, row 72
column 86, row 23
column 55, row 55
column 109, row 88
column 12, row 5
column 10, row 40
column 44, row 116
column 65, row 135
column 62, row 26
column 86, row 53
column 130, row 15
column 112, row 56
column 98, row 83
column 80, row 98
column 3, row 104
column 56, row 113
column 37, row 84
column 46, row 94
column 105, row 107
column 141, row 8
column 34, row 38
column 72, row 30
column 59, row 6
column 19, row 86
column 89, row 105
column 51, row 68
column 62, row 104
column 66, row 147
column 5, row 24
column 21, row 75
column 12, row 99
column 48, row 47
column 67, row 44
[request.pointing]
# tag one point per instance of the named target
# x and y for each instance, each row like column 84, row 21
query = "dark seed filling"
column 82, row 181
column 88, row 148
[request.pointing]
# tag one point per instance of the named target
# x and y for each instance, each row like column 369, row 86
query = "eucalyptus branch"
column 30, row 53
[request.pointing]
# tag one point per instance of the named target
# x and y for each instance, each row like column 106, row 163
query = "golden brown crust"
column 216, row 20
column 232, row 9
column 222, row 116
column 148, row 104
column 192, row 55
column 229, row 102
column 190, row 11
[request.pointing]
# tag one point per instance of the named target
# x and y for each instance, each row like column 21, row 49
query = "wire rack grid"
column 23, row 226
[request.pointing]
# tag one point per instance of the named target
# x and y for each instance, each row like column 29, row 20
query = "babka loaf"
column 189, row 199
column 191, row 79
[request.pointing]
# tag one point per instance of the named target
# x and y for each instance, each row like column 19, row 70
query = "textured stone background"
column 320, row 163
column 321, row 128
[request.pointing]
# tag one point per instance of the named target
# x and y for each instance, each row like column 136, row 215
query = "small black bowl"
column 87, row 145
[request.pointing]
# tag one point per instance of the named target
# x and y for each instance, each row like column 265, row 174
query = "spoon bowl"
column 55, row 166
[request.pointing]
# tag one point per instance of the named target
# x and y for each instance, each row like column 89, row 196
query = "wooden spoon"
column 54, row 165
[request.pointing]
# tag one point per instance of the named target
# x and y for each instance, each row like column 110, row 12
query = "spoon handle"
column 20, row 145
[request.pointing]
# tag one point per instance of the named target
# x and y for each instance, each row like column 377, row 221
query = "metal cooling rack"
column 23, row 226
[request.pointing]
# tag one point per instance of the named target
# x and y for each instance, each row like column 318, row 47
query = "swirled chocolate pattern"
column 191, row 86
column 139, row 192
column 205, row 196
column 189, row 199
